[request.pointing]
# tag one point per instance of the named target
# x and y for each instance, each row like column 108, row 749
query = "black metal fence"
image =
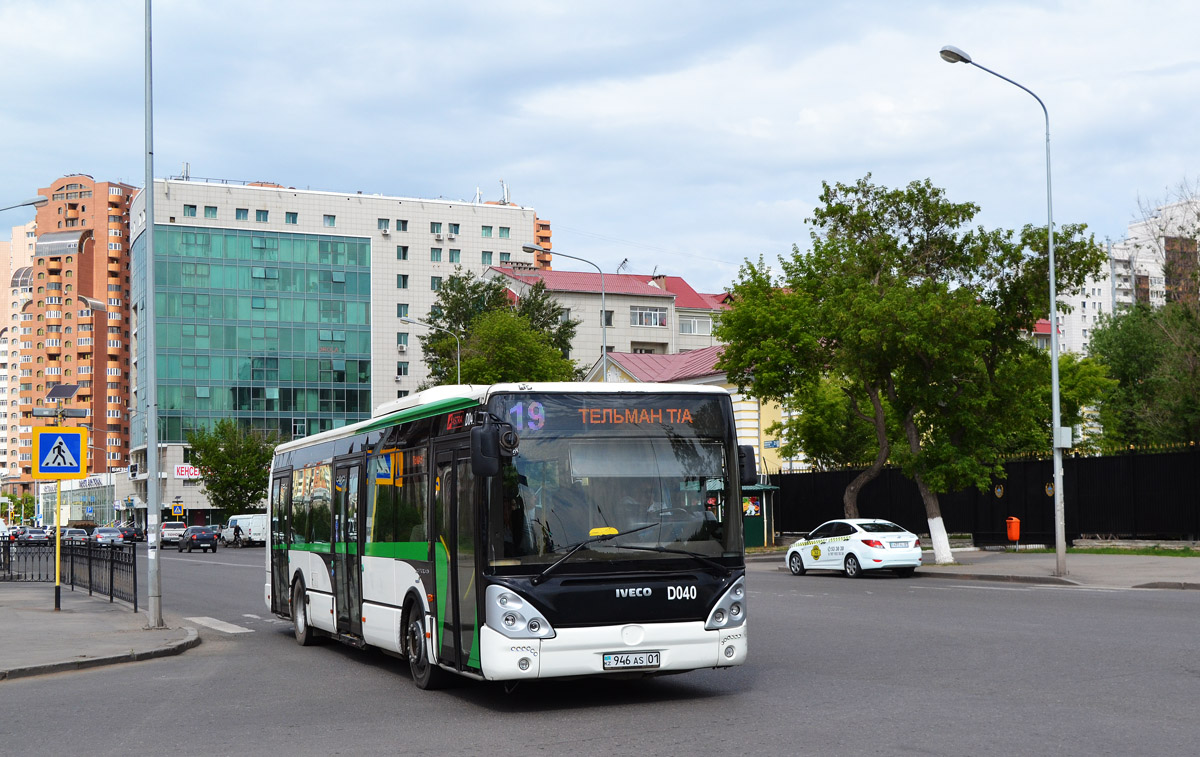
column 106, row 569
column 1136, row 496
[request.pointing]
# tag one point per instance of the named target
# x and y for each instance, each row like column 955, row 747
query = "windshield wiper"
column 602, row 537
column 725, row 571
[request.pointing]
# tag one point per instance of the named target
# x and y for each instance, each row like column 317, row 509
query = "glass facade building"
column 271, row 329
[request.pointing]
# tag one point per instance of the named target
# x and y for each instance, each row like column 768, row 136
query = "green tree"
column 234, row 464
column 1154, row 356
column 1083, row 384
column 924, row 317
column 827, row 427
column 464, row 298
column 503, row 346
column 22, row 507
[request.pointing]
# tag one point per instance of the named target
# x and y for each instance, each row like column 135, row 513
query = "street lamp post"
column 457, row 342
column 603, row 309
column 1060, row 437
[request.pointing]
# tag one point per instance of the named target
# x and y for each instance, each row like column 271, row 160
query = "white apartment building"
column 1136, row 271
column 281, row 307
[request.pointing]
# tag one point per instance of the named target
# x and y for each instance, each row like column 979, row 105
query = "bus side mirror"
column 749, row 474
column 485, row 450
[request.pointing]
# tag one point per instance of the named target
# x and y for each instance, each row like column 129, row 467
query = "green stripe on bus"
column 411, row 550
column 417, row 413
column 319, row 548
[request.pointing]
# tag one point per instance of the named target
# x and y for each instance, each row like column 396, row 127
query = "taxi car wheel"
column 853, row 569
column 796, row 564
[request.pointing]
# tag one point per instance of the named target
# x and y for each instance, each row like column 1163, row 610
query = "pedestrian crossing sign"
column 59, row 453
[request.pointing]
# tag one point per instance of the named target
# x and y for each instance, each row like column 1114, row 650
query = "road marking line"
column 220, row 625
column 251, row 615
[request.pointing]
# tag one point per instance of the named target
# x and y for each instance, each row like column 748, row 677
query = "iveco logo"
column 638, row 592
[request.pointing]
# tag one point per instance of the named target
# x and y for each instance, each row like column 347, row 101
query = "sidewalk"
column 1095, row 571
column 87, row 632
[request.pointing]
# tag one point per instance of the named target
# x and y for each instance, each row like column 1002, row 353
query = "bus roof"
column 442, row 399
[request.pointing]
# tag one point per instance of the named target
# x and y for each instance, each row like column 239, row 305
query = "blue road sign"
column 59, row 453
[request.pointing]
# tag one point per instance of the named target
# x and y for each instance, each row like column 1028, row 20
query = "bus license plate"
column 618, row 660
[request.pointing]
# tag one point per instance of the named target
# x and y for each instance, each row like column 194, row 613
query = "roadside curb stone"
column 191, row 639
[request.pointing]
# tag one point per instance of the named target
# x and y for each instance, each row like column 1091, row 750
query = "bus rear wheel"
column 425, row 673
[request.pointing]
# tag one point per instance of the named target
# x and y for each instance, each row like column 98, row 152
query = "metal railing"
column 106, row 569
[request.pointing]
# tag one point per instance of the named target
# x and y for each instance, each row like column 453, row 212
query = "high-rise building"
column 17, row 257
column 281, row 308
column 69, row 318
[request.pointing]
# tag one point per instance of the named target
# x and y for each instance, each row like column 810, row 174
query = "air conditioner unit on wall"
column 385, row 232
column 438, row 237
column 402, row 348
column 400, row 379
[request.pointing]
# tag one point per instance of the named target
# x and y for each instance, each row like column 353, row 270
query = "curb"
column 1045, row 580
column 1169, row 585
column 189, row 641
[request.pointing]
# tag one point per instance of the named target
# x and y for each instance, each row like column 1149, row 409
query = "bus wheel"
column 425, row 674
column 306, row 635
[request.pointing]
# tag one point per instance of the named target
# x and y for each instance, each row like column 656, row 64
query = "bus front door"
column 281, row 500
column 454, row 555
column 347, row 571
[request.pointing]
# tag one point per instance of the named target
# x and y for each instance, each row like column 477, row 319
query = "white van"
column 254, row 528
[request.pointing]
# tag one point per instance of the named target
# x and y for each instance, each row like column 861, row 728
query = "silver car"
column 107, row 535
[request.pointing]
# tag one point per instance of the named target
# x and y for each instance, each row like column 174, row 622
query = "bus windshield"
column 662, row 468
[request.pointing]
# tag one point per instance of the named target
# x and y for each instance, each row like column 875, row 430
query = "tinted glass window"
column 880, row 528
column 842, row 529
column 822, row 531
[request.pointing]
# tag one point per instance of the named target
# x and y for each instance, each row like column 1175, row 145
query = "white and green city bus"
column 520, row 531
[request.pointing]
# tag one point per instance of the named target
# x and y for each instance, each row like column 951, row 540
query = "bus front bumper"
column 581, row 651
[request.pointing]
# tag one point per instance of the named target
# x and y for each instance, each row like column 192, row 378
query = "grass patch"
column 1147, row 551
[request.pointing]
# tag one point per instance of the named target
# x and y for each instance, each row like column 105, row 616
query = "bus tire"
column 425, row 673
column 305, row 634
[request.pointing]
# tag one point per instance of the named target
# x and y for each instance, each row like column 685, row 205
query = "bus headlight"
column 510, row 614
column 730, row 609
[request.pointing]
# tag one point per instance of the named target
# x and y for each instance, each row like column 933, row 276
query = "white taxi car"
column 854, row 546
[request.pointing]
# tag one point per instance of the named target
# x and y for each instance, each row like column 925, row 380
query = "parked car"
column 171, row 531
column 107, row 535
column 128, row 533
column 33, row 534
column 855, row 546
column 74, row 534
column 198, row 537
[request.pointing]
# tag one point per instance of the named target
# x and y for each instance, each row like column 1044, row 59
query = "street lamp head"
column 952, row 54
column 35, row 202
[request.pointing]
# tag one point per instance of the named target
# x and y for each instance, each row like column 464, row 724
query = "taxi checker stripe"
column 823, row 541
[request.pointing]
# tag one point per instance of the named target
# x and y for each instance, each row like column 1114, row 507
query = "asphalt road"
column 875, row 666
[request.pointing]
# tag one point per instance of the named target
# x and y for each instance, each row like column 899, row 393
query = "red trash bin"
column 1014, row 529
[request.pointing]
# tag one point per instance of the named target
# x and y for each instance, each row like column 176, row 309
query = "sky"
column 683, row 138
